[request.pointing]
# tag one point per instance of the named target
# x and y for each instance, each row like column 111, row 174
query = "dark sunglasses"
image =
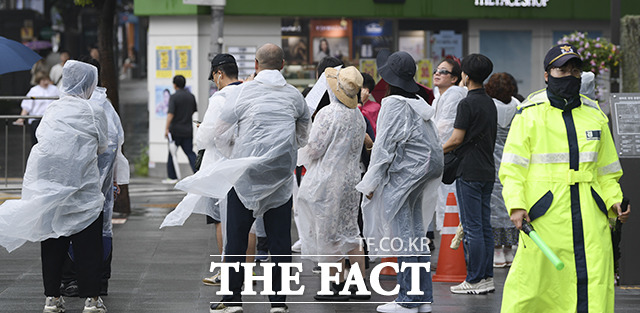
column 441, row 71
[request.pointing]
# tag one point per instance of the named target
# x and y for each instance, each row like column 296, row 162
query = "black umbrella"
column 15, row 56
column 616, row 236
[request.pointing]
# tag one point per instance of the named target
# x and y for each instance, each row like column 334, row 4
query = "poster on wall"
column 445, row 43
column 164, row 66
column 163, row 93
column 413, row 45
column 369, row 66
column 423, row 74
column 330, row 38
column 295, row 40
column 183, row 60
column 371, row 36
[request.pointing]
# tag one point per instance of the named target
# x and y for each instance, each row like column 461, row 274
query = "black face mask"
column 565, row 87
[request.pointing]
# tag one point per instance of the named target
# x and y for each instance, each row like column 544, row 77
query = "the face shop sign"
column 512, row 3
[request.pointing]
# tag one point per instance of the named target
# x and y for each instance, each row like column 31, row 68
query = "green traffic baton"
column 528, row 229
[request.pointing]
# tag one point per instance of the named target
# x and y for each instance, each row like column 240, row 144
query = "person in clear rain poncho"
column 327, row 198
column 446, row 77
column 61, row 192
column 406, row 163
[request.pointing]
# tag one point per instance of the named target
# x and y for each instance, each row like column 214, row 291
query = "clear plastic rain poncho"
column 404, row 174
column 217, row 148
column 446, row 106
column 327, row 199
column 61, row 190
column 270, row 120
column 112, row 163
column 499, row 214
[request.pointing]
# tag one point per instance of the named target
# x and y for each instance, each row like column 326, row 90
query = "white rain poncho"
column 61, row 190
column 270, row 120
column 112, row 163
column 446, row 106
column 499, row 214
column 406, row 163
column 217, row 148
column 327, row 199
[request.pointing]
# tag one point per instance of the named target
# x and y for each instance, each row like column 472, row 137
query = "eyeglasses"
column 441, row 71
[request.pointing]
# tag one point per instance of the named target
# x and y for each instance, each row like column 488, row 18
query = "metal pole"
column 615, row 39
column 217, row 24
column 6, row 153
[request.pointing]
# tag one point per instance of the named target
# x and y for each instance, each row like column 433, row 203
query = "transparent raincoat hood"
column 61, row 191
column 406, row 163
column 78, row 79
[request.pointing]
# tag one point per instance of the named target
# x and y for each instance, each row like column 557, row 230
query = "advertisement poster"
column 371, row 36
column 413, row 45
column 183, row 61
column 295, row 40
column 423, row 74
column 369, row 66
column 163, row 93
column 164, row 66
column 445, row 43
column 330, row 38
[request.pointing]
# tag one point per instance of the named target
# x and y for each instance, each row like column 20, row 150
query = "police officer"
column 560, row 172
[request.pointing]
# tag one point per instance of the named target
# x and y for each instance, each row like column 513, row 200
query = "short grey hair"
column 270, row 57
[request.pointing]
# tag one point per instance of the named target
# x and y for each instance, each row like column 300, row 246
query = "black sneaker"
column 316, row 270
column 335, row 296
column 69, row 289
column 354, row 296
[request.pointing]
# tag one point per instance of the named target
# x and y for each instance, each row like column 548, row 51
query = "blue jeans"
column 404, row 281
column 474, row 201
column 187, row 146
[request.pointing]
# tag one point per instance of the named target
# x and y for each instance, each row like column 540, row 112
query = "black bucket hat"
column 397, row 69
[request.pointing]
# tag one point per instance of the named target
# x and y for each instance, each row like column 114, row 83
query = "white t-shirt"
column 37, row 107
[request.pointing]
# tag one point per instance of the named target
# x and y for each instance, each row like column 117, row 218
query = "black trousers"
column 277, row 224
column 88, row 259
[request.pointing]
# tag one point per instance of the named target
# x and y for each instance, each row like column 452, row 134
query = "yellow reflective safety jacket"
column 563, row 168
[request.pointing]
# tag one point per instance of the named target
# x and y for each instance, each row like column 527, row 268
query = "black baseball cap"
column 219, row 59
column 558, row 55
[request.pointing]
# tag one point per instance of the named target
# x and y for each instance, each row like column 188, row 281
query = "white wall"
column 195, row 31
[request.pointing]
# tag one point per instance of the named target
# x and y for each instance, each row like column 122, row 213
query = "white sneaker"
column 424, row 308
column 509, row 254
column 213, row 280
column 53, row 305
column 221, row 308
column 488, row 285
column 498, row 257
column 468, row 288
column 297, row 247
column 94, row 306
column 169, row 181
column 394, row 307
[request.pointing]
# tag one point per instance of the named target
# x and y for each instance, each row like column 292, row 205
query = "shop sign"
column 512, row 3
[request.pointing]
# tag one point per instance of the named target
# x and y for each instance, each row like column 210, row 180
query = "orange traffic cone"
column 451, row 265
column 388, row 270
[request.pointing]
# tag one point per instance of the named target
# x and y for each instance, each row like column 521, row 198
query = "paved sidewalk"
column 160, row 270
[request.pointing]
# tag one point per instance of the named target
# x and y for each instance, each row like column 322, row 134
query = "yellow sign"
column 423, row 74
column 183, row 60
column 163, row 62
column 369, row 66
